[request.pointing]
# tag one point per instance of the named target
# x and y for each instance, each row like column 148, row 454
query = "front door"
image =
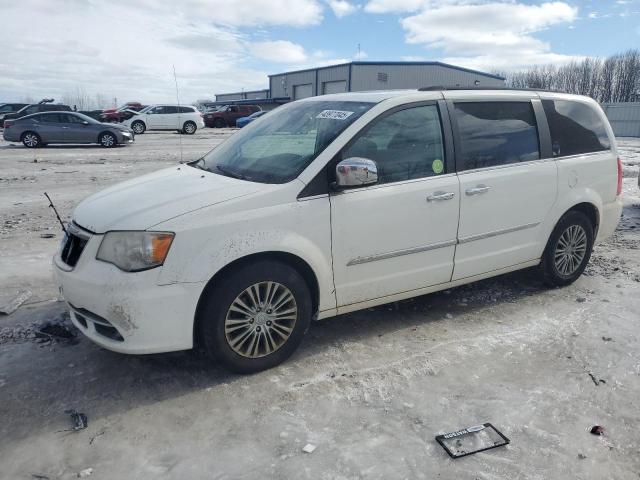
column 398, row 235
column 51, row 128
column 507, row 186
column 76, row 131
column 155, row 118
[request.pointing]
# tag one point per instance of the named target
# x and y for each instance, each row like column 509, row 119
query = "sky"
column 126, row 50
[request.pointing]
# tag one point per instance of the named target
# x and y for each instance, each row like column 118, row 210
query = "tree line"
column 612, row 79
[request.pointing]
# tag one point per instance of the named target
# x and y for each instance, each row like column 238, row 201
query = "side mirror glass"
column 356, row 172
column 84, row 122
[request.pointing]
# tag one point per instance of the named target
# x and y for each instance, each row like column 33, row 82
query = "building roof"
column 439, row 64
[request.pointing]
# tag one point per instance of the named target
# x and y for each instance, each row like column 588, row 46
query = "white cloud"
column 388, row 6
column 342, row 8
column 490, row 35
column 281, row 51
column 128, row 49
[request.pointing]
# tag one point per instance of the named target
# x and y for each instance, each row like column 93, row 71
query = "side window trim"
column 544, row 149
column 544, row 134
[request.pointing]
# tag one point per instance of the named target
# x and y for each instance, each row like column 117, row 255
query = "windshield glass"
column 279, row 148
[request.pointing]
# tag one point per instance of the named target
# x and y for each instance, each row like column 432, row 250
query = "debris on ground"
column 607, row 339
column 582, row 456
column 14, row 303
column 37, row 476
column 472, row 440
column 309, row 448
column 596, row 381
column 581, row 299
column 47, row 235
column 597, row 430
column 85, row 473
column 79, row 420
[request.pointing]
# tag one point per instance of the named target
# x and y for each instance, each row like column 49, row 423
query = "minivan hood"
column 143, row 202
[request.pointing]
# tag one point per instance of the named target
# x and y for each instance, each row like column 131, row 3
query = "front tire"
column 107, row 140
column 568, row 250
column 219, row 123
column 189, row 128
column 255, row 317
column 31, row 140
column 138, row 127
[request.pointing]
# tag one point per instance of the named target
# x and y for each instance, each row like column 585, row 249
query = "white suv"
column 337, row 203
column 183, row 118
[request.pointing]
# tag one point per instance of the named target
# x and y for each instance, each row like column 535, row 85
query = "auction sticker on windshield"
column 334, row 114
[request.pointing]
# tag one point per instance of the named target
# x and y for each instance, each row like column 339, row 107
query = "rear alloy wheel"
column 255, row 317
column 568, row 249
column 31, row 140
column 108, row 140
column 138, row 127
column 189, row 128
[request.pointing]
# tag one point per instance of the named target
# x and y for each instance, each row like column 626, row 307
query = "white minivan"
column 183, row 118
column 337, row 203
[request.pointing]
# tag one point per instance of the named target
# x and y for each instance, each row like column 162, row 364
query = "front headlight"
column 135, row 251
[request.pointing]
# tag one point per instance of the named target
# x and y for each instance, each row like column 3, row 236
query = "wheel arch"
column 290, row 259
column 591, row 211
column 102, row 132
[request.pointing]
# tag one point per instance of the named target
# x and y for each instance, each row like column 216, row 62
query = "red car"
column 226, row 116
column 117, row 115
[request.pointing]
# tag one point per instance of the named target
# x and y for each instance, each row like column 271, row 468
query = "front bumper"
column 127, row 312
column 126, row 137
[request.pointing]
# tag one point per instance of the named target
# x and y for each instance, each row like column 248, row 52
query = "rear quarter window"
column 575, row 128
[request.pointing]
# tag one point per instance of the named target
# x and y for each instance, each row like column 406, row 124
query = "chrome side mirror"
column 356, row 172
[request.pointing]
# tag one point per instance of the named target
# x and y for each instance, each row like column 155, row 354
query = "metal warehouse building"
column 361, row 76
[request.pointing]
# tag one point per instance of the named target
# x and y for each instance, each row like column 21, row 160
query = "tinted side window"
column 49, row 118
column 406, row 144
column 186, row 109
column 31, row 109
column 170, row 109
column 575, row 128
column 496, row 133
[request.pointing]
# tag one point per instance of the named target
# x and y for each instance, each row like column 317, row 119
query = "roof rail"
column 441, row 87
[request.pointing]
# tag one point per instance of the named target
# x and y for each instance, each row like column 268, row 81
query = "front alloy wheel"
column 107, row 140
column 260, row 320
column 255, row 316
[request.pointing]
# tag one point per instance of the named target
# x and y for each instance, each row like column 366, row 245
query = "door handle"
column 438, row 196
column 477, row 190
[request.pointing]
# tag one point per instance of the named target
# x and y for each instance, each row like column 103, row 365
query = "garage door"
column 302, row 91
column 334, row 87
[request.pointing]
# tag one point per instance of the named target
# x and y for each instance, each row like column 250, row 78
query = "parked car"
column 40, row 129
column 243, row 121
column 125, row 112
column 6, row 108
column 226, row 116
column 340, row 203
column 184, row 118
column 36, row 108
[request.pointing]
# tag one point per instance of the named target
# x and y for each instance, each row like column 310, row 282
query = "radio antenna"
column 56, row 212
column 175, row 79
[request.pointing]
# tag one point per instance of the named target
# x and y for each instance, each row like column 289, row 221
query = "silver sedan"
column 44, row 128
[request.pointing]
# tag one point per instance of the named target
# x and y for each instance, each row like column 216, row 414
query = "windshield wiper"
column 199, row 163
column 230, row 173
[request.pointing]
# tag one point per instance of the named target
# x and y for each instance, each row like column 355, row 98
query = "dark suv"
column 226, row 116
column 7, row 108
column 37, row 108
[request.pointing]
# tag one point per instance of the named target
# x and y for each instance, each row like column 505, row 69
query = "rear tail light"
column 619, row 191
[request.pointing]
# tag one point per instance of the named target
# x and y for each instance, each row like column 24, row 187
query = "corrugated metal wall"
column 250, row 95
column 624, row 118
column 282, row 85
column 371, row 77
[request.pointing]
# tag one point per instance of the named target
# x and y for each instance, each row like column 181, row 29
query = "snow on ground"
column 370, row 389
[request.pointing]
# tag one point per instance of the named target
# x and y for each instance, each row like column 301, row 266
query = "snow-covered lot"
column 369, row 389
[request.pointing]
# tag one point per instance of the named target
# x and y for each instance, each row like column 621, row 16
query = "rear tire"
column 138, row 127
column 107, row 140
column 568, row 250
column 189, row 128
column 31, row 140
column 255, row 317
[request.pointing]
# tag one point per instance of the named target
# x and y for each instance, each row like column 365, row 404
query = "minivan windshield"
column 279, row 147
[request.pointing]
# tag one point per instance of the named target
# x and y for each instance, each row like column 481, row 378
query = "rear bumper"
column 10, row 136
column 127, row 312
column 610, row 217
